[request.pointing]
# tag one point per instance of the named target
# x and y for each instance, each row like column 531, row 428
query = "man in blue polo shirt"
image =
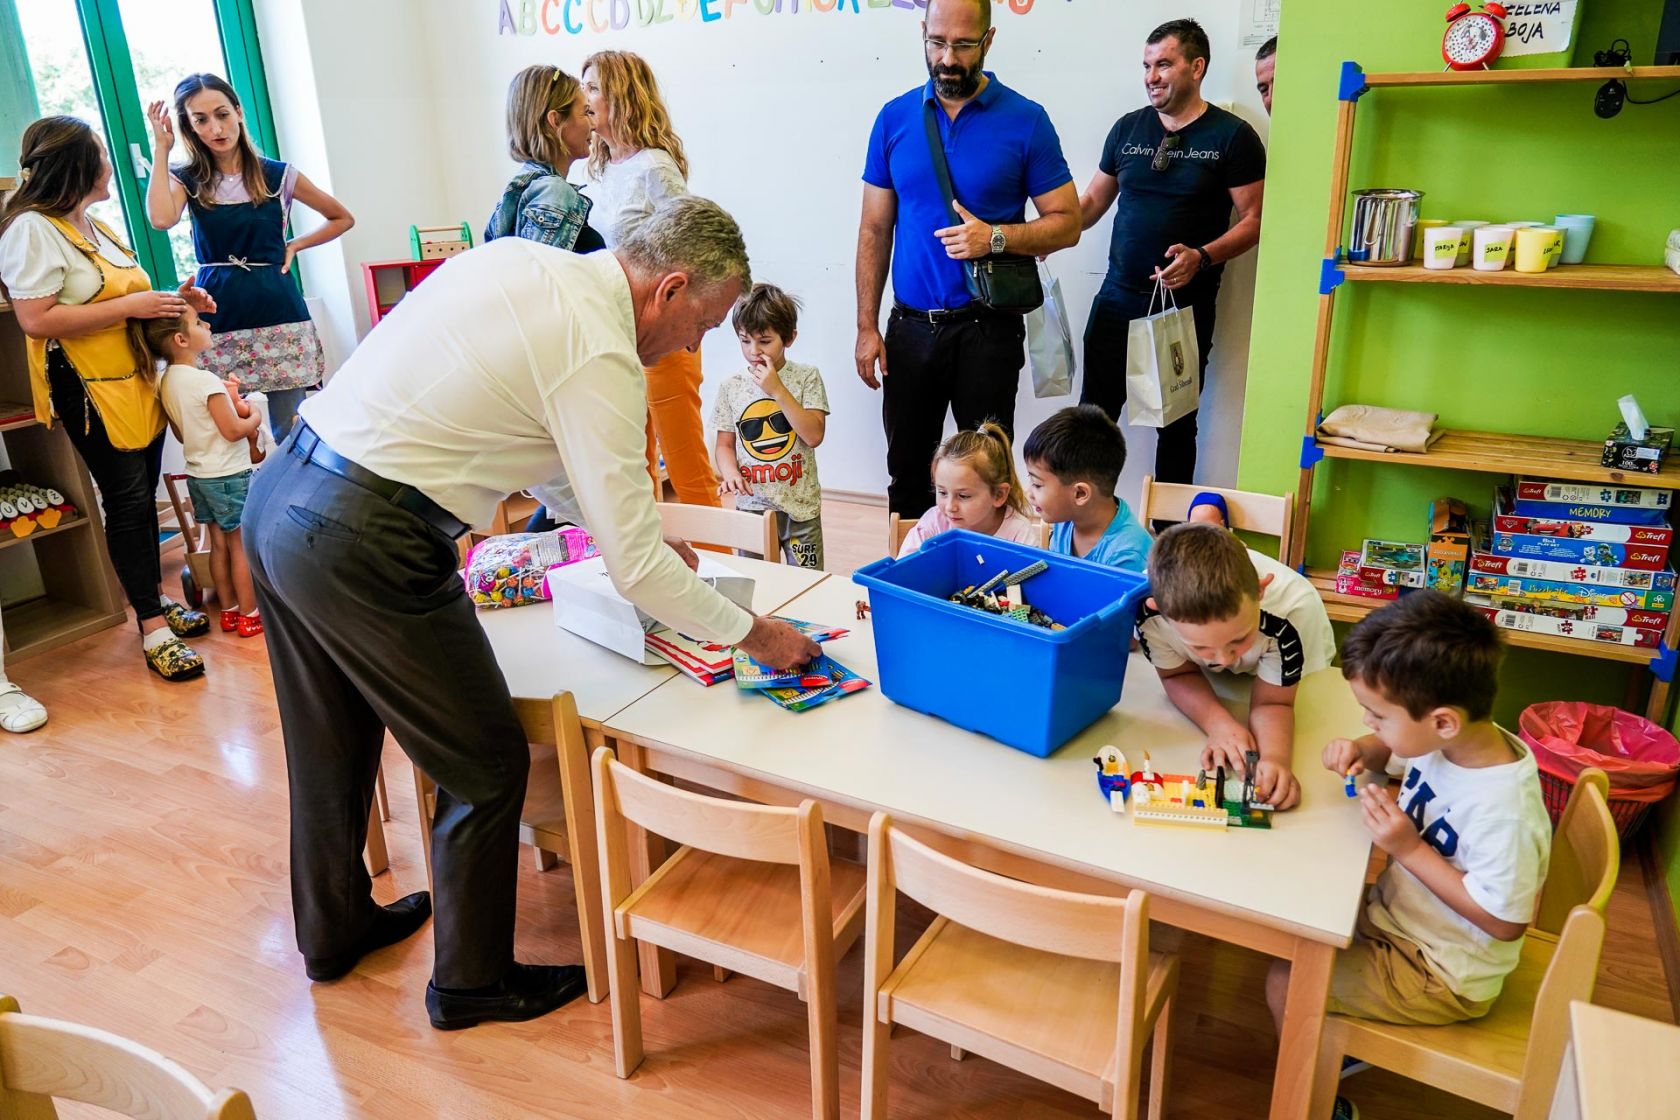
column 942, row 349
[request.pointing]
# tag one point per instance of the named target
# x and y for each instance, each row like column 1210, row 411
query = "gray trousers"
column 369, row 628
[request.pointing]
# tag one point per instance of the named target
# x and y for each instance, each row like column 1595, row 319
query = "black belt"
column 964, row 314
column 309, row 447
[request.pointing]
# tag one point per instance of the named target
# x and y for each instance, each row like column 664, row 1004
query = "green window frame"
column 120, row 106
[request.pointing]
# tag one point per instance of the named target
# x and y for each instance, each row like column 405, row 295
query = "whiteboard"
column 775, row 109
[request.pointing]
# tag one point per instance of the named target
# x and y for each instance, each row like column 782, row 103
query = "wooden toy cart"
column 195, row 577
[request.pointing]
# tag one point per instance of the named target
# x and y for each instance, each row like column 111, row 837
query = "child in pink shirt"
column 975, row 488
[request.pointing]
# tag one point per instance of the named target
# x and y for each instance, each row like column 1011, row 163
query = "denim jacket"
column 539, row 205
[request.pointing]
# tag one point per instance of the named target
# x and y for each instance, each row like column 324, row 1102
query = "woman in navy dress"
column 240, row 203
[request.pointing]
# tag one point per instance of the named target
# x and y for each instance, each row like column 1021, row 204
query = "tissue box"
column 587, row 604
column 1624, row 453
column 1671, row 255
column 1449, row 545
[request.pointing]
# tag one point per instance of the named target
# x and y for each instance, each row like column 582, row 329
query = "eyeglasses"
column 1164, row 150
column 956, row 46
column 752, row 428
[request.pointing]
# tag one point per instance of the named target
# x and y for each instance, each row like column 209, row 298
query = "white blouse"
column 36, row 260
column 631, row 189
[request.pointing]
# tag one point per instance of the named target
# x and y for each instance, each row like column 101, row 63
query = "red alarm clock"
column 1473, row 39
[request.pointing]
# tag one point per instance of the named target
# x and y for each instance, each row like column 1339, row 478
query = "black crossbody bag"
column 1004, row 282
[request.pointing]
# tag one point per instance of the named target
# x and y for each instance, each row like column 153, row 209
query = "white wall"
column 775, row 111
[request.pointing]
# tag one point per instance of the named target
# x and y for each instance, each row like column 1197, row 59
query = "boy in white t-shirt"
column 219, row 434
column 770, row 418
column 1469, row 840
column 1214, row 605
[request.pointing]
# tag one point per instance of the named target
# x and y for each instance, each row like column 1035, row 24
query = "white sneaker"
column 19, row 711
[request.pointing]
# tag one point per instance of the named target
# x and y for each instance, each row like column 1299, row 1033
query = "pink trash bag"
column 1640, row 758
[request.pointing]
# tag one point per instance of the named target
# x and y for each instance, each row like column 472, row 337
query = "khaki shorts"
column 1385, row 977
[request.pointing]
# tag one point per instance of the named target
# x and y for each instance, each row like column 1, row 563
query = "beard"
column 956, row 82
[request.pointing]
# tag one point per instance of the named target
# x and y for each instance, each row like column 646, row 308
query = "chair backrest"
column 1091, row 927
column 898, row 528
column 1571, row 976
column 726, row 528
column 1267, row 514
column 1586, row 855
column 740, row 829
column 41, row 1059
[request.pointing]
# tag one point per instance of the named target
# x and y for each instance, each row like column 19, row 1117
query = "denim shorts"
column 219, row 501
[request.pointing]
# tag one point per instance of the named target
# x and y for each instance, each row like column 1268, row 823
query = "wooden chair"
column 1266, row 514
column 750, row 890
column 1058, row 985
column 557, row 818
column 43, row 1059
column 898, row 528
column 1509, row 1059
column 724, row 528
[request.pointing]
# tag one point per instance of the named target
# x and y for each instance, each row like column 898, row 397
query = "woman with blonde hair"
column 636, row 162
column 548, row 131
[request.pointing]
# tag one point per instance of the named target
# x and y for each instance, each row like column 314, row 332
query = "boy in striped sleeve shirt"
column 1216, row 606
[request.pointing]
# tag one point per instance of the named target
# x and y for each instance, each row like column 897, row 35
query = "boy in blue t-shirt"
column 1074, row 460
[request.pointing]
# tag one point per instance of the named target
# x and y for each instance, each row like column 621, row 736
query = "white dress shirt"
column 513, row 364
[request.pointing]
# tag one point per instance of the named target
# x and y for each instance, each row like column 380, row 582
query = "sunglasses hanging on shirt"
column 1163, row 151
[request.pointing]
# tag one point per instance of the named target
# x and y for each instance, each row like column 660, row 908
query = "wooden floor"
column 143, row 889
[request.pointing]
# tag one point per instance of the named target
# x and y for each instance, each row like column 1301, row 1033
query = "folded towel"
column 1371, row 428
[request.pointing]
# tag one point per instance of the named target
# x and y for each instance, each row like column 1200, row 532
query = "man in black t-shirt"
column 1178, row 167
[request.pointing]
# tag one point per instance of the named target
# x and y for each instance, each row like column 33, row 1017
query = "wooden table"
column 539, row 660
column 1618, row 1067
column 1292, row 892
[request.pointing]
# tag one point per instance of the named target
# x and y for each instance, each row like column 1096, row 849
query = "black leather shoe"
column 390, row 925
column 526, row 992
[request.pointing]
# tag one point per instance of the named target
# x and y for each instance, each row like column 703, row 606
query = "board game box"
column 1593, row 594
column 1566, row 627
column 1507, row 520
column 1579, row 612
column 1574, row 550
column 1592, row 493
column 1484, row 560
column 1400, row 563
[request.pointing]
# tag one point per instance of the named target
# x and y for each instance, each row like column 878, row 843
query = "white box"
column 586, row 603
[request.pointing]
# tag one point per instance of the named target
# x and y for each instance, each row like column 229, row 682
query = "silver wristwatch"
column 998, row 241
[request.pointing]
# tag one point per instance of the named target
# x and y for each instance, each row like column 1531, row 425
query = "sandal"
column 186, row 623
column 174, row 660
column 19, row 712
column 230, row 621
column 250, row 625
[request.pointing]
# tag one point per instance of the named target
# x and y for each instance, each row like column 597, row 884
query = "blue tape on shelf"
column 1330, row 275
column 1352, row 85
column 1311, row 453
column 1662, row 666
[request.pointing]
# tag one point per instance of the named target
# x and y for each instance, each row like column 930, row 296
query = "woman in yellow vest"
column 74, row 286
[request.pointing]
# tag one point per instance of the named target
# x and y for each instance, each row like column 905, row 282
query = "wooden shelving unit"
column 1352, row 608
column 1583, row 277
column 81, row 594
column 1499, row 453
column 1482, row 452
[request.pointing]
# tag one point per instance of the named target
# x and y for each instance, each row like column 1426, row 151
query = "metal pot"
column 1381, row 233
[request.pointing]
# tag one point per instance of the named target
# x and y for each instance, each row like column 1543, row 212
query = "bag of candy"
column 510, row 571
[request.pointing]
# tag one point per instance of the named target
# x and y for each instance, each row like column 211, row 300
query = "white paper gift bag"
column 1050, row 341
column 1162, row 363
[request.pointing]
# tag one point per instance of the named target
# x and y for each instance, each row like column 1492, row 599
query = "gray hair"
column 689, row 234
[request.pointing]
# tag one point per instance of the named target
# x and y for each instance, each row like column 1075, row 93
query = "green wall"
column 1545, row 362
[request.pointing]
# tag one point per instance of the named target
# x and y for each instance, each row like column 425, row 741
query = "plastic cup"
column 1420, row 226
column 1440, row 247
column 1577, row 235
column 1464, row 243
column 1491, row 248
column 1533, row 247
column 1554, row 251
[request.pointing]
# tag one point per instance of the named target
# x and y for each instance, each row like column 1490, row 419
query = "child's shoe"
column 230, row 621
column 171, row 658
column 250, row 625
column 1344, row 1110
column 185, row 622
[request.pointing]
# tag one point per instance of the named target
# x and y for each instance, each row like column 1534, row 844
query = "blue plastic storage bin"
column 1031, row 688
